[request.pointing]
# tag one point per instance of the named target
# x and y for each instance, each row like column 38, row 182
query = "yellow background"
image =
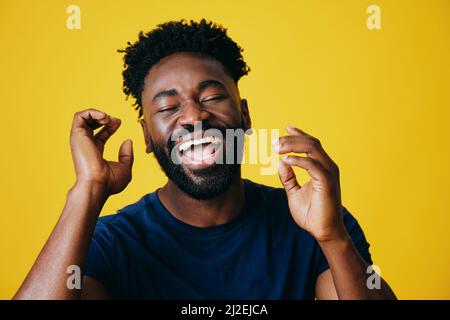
column 378, row 101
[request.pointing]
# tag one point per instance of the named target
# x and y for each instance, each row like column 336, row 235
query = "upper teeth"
column 186, row 145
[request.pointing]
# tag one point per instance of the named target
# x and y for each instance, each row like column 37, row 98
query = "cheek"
column 159, row 132
column 231, row 116
column 235, row 120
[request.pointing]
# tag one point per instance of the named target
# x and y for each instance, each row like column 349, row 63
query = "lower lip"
column 205, row 161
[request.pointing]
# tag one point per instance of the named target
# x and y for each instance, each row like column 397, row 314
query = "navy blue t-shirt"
column 143, row 252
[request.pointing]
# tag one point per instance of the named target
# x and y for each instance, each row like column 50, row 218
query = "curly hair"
column 203, row 37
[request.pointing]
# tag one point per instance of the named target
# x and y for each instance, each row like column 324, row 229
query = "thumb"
column 126, row 153
column 287, row 177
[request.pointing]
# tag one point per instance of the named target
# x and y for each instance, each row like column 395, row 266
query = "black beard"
column 205, row 183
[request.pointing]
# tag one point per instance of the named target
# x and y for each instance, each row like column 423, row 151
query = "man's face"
column 181, row 92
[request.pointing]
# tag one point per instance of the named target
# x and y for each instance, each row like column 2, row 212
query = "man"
column 207, row 233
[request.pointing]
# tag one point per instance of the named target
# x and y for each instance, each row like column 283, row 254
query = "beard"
column 206, row 183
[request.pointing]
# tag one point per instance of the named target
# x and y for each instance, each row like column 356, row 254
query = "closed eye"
column 168, row 108
column 214, row 98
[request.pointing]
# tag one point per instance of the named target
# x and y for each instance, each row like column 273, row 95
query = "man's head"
column 182, row 74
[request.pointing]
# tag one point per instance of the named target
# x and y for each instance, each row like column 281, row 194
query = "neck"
column 204, row 213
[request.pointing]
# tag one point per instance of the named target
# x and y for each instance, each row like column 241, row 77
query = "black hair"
column 203, row 37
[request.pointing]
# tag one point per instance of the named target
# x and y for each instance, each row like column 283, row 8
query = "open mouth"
column 201, row 152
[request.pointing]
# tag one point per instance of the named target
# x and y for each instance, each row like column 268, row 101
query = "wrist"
column 88, row 180
column 340, row 240
column 95, row 191
column 91, row 185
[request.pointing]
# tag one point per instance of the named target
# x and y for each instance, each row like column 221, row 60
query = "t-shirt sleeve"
column 358, row 238
column 99, row 263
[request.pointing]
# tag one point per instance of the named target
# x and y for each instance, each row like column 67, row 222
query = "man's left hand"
column 315, row 206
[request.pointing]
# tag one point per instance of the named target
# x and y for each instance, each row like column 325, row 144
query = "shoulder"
column 274, row 202
column 353, row 227
column 349, row 220
column 124, row 219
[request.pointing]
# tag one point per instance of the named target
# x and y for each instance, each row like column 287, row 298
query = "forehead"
column 184, row 70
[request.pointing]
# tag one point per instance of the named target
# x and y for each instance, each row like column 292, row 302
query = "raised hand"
column 87, row 151
column 315, row 206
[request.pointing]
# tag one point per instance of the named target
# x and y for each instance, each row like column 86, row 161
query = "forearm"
column 67, row 245
column 349, row 271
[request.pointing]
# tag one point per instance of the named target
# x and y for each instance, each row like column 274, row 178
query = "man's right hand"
column 87, row 151
column 69, row 242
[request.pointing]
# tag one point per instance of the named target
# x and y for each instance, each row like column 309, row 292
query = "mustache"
column 205, row 126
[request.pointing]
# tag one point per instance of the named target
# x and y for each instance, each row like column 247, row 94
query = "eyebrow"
column 165, row 93
column 210, row 83
column 200, row 86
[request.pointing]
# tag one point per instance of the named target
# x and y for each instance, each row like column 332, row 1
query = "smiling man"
column 207, row 233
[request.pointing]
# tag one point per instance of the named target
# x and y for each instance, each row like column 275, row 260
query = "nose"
column 191, row 113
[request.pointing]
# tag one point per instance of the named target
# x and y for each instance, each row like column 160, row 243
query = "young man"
column 207, row 233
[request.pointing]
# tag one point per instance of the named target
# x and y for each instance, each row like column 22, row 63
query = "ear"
column 245, row 115
column 147, row 137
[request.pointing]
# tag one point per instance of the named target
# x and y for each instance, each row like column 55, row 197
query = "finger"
column 304, row 144
column 287, row 177
column 89, row 119
column 299, row 144
column 313, row 167
column 126, row 153
column 108, row 130
column 295, row 131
